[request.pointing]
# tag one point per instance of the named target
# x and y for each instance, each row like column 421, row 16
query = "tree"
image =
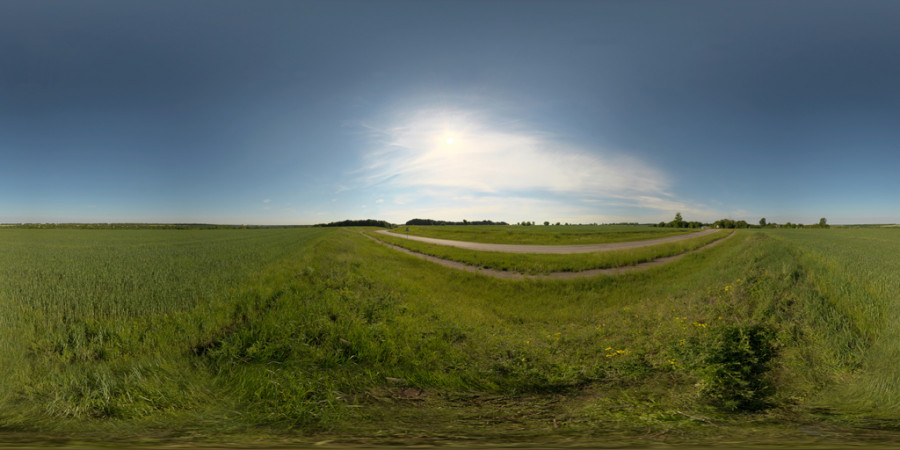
column 546, row 223
column 823, row 223
column 762, row 222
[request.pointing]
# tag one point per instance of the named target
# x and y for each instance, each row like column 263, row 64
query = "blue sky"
column 299, row 112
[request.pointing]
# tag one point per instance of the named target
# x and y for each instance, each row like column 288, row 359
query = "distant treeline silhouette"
column 357, row 223
column 446, row 222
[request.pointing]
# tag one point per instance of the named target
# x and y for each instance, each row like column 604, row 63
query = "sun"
column 449, row 140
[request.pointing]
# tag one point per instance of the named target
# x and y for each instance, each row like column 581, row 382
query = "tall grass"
column 96, row 323
column 855, row 275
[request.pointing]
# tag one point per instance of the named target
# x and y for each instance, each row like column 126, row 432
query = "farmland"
column 307, row 335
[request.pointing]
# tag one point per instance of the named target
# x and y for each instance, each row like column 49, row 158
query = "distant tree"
column 678, row 222
column 546, row 223
column 762, row 222
column 823, row 223
column 557, row 223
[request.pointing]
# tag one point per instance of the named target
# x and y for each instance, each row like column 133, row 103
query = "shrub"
column 731, row 363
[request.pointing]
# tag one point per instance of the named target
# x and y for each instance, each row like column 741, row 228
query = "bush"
column 731, row 363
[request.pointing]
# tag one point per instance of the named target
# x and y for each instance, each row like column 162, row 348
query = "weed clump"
column 731, row 363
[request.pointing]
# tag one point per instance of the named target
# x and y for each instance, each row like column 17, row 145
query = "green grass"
column 547, row 263
column 306, row 335
column 96, row 324
column 855, row 275
column 543, row 235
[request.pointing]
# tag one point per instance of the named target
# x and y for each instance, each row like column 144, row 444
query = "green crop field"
column 543, row 235
column 279, row 336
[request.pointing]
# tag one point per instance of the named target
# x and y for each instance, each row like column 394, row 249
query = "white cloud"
column 461, row 165
column 268, row 200
column 483, row 159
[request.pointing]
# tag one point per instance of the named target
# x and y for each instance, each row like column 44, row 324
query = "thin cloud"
column 462, row 151
column 470, row 166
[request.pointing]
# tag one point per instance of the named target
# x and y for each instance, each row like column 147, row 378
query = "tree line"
column 447, row 222
column 357, row 223
column 679, row 222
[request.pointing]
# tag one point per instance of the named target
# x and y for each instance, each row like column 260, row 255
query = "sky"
column 303, row 112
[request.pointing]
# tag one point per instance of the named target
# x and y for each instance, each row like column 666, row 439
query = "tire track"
column 509, row 275
column 552, row 249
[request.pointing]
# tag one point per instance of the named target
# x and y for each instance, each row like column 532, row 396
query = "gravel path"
column 508, row 275
column 557, row 249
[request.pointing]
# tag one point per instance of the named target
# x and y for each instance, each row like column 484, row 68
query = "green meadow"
column 312, row 335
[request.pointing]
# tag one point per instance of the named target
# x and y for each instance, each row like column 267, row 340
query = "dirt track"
column 546, row 249
column 507, row 275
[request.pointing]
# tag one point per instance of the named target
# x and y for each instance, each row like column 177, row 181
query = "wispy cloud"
column 464, row 151
column 464, row 162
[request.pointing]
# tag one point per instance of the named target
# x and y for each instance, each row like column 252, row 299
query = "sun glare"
column 449, row 140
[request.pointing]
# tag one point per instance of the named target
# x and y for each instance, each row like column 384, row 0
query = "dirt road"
column 547, row 249
column 508, row 275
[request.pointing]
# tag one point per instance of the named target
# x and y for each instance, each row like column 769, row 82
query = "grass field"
column 306, row 335
column 543, row 235
column 543, row 264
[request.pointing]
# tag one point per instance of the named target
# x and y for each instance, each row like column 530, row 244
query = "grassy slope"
column 541, row 263
column 348, row 340
column 543, row 235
